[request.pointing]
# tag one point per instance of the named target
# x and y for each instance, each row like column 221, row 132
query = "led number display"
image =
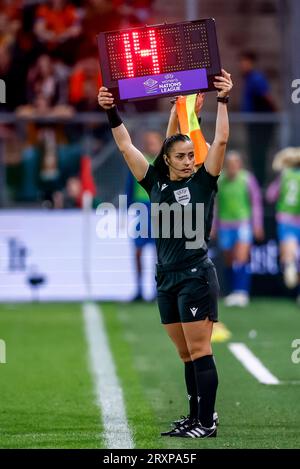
column 159, row 60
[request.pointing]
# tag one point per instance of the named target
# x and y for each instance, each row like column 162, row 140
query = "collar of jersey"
column 184, row 180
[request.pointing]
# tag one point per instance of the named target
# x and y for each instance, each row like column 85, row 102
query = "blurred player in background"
column 286, row 191
column 152, row 142
column 239, row 217
column 256, row 97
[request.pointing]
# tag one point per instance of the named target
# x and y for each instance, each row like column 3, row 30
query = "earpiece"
column 167, row 161
column 171, row 165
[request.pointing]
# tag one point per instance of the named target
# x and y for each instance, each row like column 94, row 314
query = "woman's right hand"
column 199, row 103
column 105, row 98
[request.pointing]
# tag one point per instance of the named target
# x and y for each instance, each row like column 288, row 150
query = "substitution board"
column 160, row 60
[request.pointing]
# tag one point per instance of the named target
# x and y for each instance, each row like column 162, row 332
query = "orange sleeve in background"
column 182, row 115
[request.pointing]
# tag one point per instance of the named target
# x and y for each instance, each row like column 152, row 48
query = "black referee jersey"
column 200, row 187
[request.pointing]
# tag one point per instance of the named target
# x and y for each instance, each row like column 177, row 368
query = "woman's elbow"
column 221, row 140
column 123, row 148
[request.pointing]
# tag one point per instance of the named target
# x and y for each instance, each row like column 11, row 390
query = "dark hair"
column 169, row 142
column 249, row 55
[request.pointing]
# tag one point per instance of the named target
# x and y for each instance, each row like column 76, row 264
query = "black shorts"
column 189, row 294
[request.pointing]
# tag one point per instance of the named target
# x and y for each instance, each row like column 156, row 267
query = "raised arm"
column 215, row 157
column 173, row 124
column 135, row 160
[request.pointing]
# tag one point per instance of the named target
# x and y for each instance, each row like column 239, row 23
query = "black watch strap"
column 224, row 99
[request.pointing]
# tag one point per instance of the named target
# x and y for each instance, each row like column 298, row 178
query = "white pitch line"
column 252, row 363
column 109, row 393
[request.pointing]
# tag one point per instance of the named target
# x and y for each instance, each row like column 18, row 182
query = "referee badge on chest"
column 183, row 196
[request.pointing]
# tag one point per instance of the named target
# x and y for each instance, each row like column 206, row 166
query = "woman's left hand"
column 223, row 84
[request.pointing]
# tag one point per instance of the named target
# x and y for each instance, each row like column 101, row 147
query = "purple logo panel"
column 157, row 86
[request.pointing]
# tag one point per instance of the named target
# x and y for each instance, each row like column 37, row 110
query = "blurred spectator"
column 110, row 15
column 10, row 21
column 58, row 27
column 256, row 94
column 12, row 148
column 256, row 98
column 41, row 175
column 84, row 85
column 13, row 72
column 44, row 80
column 41, row 107
column 100, row 15
column 49, row 174
column 134, row 12
column 47, row 160
column 151, row 144
column 72, row 195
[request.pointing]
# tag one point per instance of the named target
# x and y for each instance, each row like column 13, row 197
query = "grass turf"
column 47, row 398
column 252, row 415
column 46, row 392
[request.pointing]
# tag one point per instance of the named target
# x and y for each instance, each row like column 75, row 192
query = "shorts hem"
column 212, row 319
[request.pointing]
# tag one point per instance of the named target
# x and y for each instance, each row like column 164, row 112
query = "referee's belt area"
column 201, row 261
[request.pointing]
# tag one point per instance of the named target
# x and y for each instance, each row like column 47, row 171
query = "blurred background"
column 55, row 142
column 58, row 162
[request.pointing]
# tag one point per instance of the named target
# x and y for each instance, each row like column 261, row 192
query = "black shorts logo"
column 194, row 311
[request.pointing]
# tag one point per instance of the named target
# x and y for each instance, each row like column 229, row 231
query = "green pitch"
column 47, row 393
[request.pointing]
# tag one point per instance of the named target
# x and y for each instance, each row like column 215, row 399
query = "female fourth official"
column 187, row 285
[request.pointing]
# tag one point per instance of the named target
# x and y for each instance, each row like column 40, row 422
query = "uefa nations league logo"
column 151, row 86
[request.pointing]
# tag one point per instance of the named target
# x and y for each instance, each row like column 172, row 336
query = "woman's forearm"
column 122, row 137
column 135, row 160
column 215, row 157
column 222, row 125
column 119, row 131
column 172, row 124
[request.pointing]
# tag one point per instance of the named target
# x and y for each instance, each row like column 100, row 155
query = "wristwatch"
column 224, row 99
